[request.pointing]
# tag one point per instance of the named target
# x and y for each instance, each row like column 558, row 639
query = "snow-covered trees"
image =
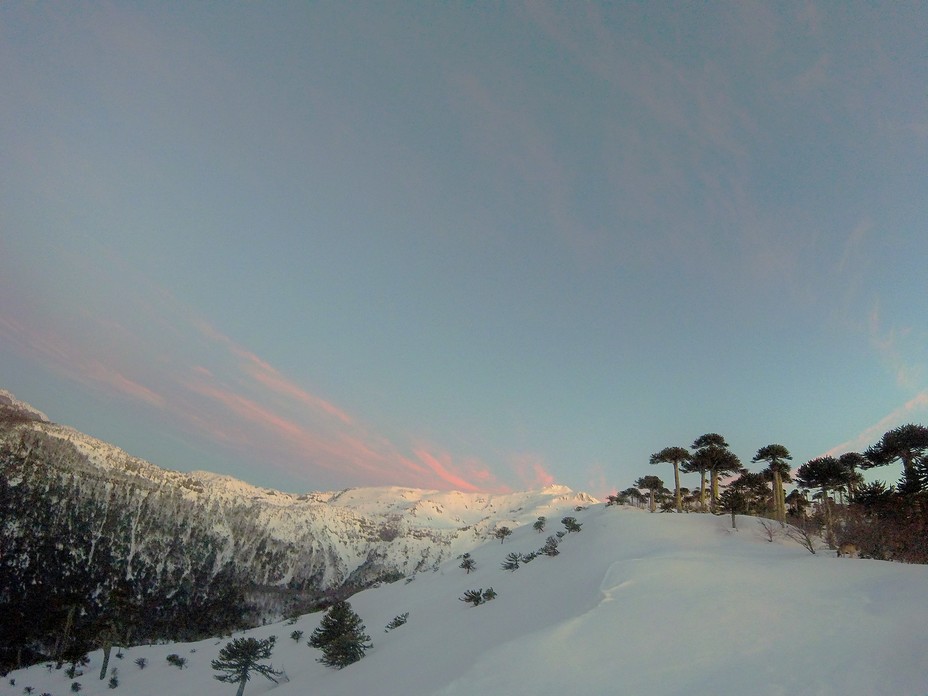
column 340, row 636
column 239, row 658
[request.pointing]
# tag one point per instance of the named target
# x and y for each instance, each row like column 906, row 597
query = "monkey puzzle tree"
column 827, row 474
column 243, row 656
column 712, row 456
column 852, row 461
column 776, row 457
column 654, row 486
column 908, row 444
column 675, row 456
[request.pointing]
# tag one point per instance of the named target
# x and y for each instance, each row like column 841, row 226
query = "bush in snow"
column 474, row 597
column 177, row 660
column 396, row 622
column 468, row 563
column 297, row 635
column 141, row 662
column 512, row 561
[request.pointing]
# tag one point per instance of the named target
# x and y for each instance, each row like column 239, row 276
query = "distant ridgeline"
column 98, row 546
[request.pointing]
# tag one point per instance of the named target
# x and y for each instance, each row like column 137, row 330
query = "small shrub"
column 512, row 561
column 141, row 662
column 76, row 687
column 114, row 678
column 397, row 622
column 177, row 660
column 296, row 636
column 119, row 654
column 474, row 597
column 489, row 594
column 27, row 690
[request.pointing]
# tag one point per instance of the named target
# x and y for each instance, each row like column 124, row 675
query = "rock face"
column 91, row 507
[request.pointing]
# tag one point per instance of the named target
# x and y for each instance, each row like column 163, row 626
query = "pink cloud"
column 531, row 470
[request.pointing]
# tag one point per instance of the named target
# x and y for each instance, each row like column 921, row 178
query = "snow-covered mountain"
column 635, row 603
column 171, row 526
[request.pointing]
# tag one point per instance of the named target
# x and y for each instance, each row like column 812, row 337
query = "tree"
column 242, row 656
column 712, row 456
column 539, row 525
column 908, row 444
column 340, row 636
column 501, row 533
column 675, row 456
column 776, row 457
column 474, row 597
column 550, row 547
column 827, row 474
column 512, row 561
column 654, row 485
column 468, row 563
column 571, row 524
column 852, row 461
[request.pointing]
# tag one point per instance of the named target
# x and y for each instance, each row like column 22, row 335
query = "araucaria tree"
column 468, row 563
column 242, row 657
column 713, row 456
column 908, row 444
column 571, row 524
column 512, row 561
column 539, row 525
column 502, row 533
column 654, row 486
column 826, row 473
column 675, row 456
column 340, row 636
column 777, row 457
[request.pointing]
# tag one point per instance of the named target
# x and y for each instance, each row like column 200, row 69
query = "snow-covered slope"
column 321, row 539
column 635, row 604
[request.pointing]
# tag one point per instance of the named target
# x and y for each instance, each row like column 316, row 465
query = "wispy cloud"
column 913, row 409
column 888, row 342
column 211, row 387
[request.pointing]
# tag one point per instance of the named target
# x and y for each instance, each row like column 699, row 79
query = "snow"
column 636, row 603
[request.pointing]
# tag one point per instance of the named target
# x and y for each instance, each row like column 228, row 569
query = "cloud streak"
column 233, row 398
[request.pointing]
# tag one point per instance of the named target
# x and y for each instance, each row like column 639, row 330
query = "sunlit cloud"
column 531, row 470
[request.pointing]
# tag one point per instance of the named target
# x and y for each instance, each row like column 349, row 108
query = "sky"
column 472, row 246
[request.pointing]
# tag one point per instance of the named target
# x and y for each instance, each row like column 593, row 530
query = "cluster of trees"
column 882, row 521
column 68, row 586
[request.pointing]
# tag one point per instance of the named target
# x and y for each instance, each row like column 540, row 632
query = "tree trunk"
column 63, row 639
column 107, row 647
column 702, row 489
column 714, row 480
column 678, row 499
column 241, row 687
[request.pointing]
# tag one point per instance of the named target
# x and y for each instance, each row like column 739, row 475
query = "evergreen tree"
column 776, row 457
column 502, row 533
column 468, row 563
column 512, row 561
column 340, row 636
column 653, row 485
column 675, row 456
column 539, row 525
column 571, row 524
column 908, row 444
column 241, row 657
column 550, row 547
column 474, row 597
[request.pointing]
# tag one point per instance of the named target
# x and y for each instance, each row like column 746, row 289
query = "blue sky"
column 482, row 246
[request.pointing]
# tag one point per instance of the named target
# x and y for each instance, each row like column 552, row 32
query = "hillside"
column 636, row 603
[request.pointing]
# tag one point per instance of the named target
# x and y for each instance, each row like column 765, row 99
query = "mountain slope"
column 634, row 604
column 81, row 519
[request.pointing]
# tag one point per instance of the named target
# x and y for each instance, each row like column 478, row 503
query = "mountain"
column 82, row 514
column 635, row 603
